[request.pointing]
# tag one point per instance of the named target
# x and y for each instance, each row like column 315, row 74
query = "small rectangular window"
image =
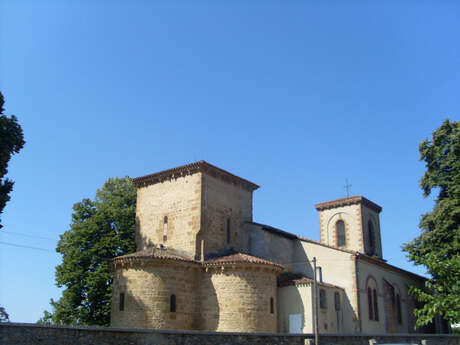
column 122, row 301
column 172, row 304
column 165, row 229
column 337, row 301
column 322, row 299
column 272, row 305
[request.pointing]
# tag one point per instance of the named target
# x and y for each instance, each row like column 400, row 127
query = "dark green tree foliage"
column 438, row 246
column 101, row 230
column 11, row 142
column 4, row 317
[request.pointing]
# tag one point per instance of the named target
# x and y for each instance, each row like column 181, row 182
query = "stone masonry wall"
column 178, row 199
column 148, row 291
column 337, row 268
column 269, row 246
column 238, row 298
column 368, row 273
column 221, row 201
column 32, row 334
column 351, row 216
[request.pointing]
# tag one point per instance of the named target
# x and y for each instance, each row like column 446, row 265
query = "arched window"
column 165, row 228
column 398, row 309
column 272, row 305
column 371, row 238
column 340, row 229
column 370, row 304
column 172, row 304
column 372, row 300
column 376, row 306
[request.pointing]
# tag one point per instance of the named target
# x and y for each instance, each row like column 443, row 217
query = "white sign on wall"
column 295, row 323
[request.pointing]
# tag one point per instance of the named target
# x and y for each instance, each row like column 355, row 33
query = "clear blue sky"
column 295, row 96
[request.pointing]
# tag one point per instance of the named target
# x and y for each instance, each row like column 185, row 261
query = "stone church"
column 202, row 263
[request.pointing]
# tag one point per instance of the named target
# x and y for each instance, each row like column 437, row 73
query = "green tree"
column 11, row 142
column 47, row 318
column 101, row 230
column 4, row 317
column 438, row 245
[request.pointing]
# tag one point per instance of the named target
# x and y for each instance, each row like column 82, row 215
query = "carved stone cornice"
column 193, row 168
column 351, row 200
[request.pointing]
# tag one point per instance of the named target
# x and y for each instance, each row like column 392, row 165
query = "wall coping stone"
column 159, row 331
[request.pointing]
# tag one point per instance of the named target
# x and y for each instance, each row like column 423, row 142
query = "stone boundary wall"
column 33, row 334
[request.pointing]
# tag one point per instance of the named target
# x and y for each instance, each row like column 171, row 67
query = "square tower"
column 351, row 223
column 181, row 207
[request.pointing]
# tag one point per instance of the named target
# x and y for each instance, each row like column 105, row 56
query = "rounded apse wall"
column 239, row 299
column 143, row 295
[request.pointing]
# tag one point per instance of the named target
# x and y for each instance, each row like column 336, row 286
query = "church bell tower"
column 351, row 223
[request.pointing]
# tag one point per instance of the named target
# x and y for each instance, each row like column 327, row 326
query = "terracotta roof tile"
column 360, row 256
column 192, row 168
column 358, row 199
column 292, row 236
column 275, row 230
column 152, row 253
column 241, row 258
column 287, row 279
column 383, row 264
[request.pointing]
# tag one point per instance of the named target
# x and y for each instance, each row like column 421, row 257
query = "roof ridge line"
column 191, row 168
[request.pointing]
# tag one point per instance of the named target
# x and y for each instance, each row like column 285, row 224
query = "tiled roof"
column 360, row 256
column 152, row 253
column 287, row 279
column 192, row 168
column 240, row 258
column 292, row 236
column 386, row 265
column 275, row 230
column 348, row 201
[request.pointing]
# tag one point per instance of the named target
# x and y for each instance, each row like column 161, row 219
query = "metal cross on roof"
column 347, row 187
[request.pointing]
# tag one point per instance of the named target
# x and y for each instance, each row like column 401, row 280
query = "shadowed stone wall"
column 148, row 291
column 223, row 202
column 32, row 334
column 180, row 201
column 238, row 298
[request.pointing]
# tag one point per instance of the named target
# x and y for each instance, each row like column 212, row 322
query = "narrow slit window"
column 322, row 299
column 376, row 306
column 371, row 235
column 228, row 230
column 165, row 228
column 122, row 301
column 172, row 304
column 370, row 304
column 398, row 309
column 337, row 301
column 272, row 305
column 341, row 237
